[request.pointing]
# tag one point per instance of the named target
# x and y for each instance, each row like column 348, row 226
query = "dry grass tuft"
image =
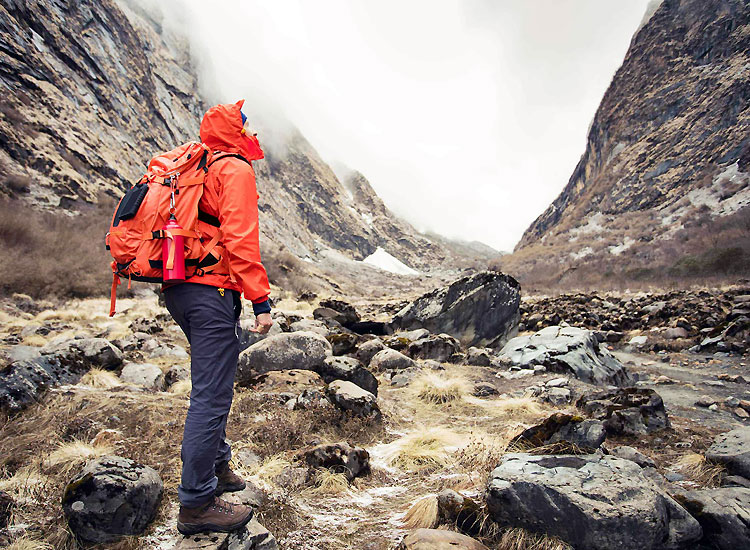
column 68, row 455
column 520, row 539
column 181, row 387
column 517, row 407
column 271, row 468
column 482, row 454
column 329, row 483
column 100, row 379
column 696, row 467
column 27, row 483
column 438, row 388
column 28, row 543
column 423, row 514
column 424, row 450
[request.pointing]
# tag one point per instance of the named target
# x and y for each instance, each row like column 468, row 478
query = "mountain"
column 663, row 184
column 94, row 89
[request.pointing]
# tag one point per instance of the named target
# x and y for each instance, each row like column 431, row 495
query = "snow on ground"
column 585, row 251
column 381, row 259
column 593, row 225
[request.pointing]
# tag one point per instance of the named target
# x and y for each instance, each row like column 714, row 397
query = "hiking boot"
column 229, row 482
column 216, row 515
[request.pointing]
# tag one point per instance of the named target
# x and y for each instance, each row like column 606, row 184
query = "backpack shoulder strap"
column 219, row 155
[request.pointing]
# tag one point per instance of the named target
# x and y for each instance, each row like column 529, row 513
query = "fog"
column 467, row 117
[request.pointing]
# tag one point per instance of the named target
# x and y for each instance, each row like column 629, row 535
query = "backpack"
column 173, row 184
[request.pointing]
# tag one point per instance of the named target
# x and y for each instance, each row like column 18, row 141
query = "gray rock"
column 412, row 335
column 586, row 435
column 591, row 502
column 348, row 368
column 479, row 357
column 310, row 325
column 21, row 353
column 557, row 382
column 97, row 352
column 343, row 342
column 634, row 455
column 484, row 389
column 732, row 449
column 367, row 350
column 110, row 498
column 390, row 359
column 559, row 396
column 309, row 399
column 249, row 338
column 480, row 309
column 350, row 397
column 439, row 539
column 569, row 350
column 147, row 375
column 724, row 515
column 629, row 411
column 346, row 313
column 439, row 347
column 176, row 373
column 251, row 537
column 289, row 350
column 675, row 333
column 340, row 458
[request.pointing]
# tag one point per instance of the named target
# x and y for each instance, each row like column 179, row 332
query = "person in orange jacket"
column 207, row 309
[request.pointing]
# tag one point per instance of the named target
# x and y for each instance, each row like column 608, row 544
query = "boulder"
column 463, row 512
column 348, row 368
column 289, row 381
column 310, row 325
column 252, row 536
column 286, row 351
column 176, row 373
column 558, row 396
column 340, row 458
column 586, row 435
column 350, row 397
column 343, row 342
column 390, row 359
column 591, row 502
column 568, row 350
column 367, row 350
column 346, row 314
column 97, row 352
column 479, row 309
column 484, row 389
column 249, row 338
column 628, row 411
column 732, row 450
column 439, row 347
column 110, row 498
column 724, row 515
column 634, row 455
column 147, row 375
column 311, row 398
column 439, row 539
column 479, row 357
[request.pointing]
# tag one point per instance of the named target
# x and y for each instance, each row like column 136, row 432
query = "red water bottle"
column 173, row 253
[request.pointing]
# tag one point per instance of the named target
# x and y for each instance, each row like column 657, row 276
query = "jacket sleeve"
column 238, row 214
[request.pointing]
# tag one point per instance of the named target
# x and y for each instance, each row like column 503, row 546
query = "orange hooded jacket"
column 231, row 196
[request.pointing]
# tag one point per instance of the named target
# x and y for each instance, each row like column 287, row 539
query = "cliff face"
column 671, row 136
column 91, row 90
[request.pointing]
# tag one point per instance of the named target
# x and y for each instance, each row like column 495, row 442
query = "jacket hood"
column 221, row 130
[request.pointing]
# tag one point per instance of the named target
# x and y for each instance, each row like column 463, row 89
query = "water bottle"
column 175, row 246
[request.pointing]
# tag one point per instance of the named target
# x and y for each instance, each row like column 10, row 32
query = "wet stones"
column 286, row 351
column 732, row 450
column 567, row 350
column 480, row 309
column 589, row 501
column 628, row 411
column 110, row 498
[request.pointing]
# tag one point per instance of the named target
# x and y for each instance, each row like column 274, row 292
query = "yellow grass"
column 423, row 514
column 515, row 407
column 329, row 483
column 437, row 388
column 181, row 387
column 520, row 539
column 100, row 379
column 68, row 455
column 696, row 467
column 36, row 340
column 27, row 543
column 270, row 468
column 424, row 449
column 26, row 483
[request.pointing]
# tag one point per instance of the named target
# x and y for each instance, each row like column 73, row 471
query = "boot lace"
column 222, row 506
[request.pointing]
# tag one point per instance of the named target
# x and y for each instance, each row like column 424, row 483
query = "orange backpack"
column 173, row 184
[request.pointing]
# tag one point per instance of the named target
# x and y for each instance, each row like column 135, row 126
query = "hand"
column 263, row 323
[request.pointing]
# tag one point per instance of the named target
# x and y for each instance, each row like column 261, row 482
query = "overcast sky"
column 467, row 116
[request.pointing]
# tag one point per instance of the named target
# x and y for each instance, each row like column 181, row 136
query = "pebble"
column 742, row 413
column 705, row 401
column 713, row 407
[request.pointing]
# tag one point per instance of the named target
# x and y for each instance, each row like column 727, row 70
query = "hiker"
column 207, row 308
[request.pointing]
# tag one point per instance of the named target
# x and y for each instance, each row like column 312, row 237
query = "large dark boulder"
column 592, row 502
column 285, row 351
column 626, row 411
column 439, row 347
column 724, row 515
column 732, row 450
column 565, row 430
column 110, row 498
column 480, row 309
column 569, row 350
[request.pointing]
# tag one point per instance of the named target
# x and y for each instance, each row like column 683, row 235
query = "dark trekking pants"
column 209, row 320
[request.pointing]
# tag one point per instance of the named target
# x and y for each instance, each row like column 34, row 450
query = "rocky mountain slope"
column 667, row 158
column 94, row 89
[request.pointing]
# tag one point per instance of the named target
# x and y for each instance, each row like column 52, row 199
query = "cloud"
column 468, row 117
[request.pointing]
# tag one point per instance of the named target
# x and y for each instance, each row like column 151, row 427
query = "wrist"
column 262, row 307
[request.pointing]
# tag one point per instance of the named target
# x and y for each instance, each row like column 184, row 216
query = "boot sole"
column 229, row 488
column 198, row 528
